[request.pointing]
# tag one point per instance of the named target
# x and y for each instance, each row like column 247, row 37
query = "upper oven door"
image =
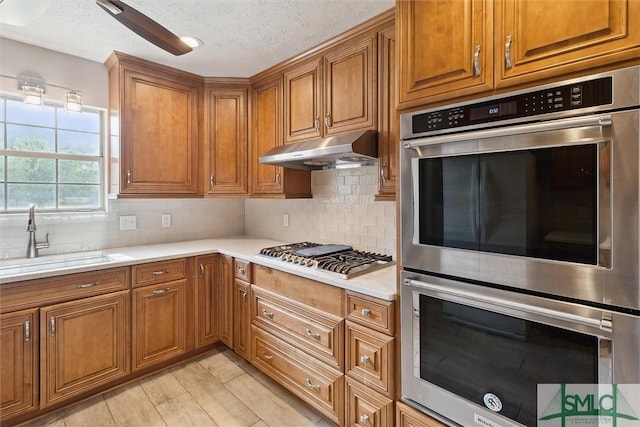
column 550, row 207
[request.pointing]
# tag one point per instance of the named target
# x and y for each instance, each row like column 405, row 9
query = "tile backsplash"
column 342, row 210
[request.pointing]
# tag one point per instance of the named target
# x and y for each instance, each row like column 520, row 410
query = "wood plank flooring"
column 217, row 389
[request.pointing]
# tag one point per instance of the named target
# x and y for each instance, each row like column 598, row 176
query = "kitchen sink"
column 52, row 262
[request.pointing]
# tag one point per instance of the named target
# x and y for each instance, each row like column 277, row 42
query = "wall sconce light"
column 34, row 87
column 73, row 101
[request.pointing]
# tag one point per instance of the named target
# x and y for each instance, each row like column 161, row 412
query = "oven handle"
column 574, row 122
column 464, row 295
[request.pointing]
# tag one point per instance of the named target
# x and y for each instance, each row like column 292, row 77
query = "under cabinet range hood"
column 351, row 149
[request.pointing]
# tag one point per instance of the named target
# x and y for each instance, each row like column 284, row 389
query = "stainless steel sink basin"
column 52, row 262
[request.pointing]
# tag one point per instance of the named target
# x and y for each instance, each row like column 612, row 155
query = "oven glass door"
column 471, row 352
column 538, row 203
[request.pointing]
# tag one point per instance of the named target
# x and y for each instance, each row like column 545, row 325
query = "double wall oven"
column 520, row 247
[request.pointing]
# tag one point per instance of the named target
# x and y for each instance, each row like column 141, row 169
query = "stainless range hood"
column 351, row 149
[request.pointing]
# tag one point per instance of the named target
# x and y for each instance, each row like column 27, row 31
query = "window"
column 50, row 157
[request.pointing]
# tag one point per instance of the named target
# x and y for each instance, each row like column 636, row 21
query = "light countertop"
column 379, row 283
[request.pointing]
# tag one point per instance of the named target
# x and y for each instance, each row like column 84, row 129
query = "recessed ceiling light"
column 191, row 41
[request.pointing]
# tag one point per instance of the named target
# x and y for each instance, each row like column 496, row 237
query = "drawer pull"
column 364, row 359
column 241, row 270
column 244, row 297
column 160, row 291
column 201, row 270
column 266, row 356
column 267, row 313
column 27, row 331
column 364, row 419
column 312, row 335
column 87, row 285
column 52, row 326
column 366, row 312
column 312, row 385
column 159, row 272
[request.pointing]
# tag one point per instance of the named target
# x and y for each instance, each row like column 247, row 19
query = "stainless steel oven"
column 536, row 190
column 519, row 246
column 475, row 355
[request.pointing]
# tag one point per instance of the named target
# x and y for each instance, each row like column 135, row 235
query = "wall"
column 342, row 210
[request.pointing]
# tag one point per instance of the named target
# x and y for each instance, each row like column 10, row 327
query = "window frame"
column 100, row 159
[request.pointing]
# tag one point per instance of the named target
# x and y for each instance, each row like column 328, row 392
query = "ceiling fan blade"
column 144, row 26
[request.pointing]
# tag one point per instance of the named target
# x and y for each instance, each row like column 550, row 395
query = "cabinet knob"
column 364, row 419
column 27, row 330
column 312, row 385
column 366, row 312
column 212, row 180
column 316, row 124
column 312, row 335
column 241, row 270
column 383, row 172
column 476, row 61
column 327, row 121
column 267, row 313
column 507, row 53
column 364, row 359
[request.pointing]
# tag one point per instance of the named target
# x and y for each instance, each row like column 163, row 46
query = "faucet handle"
column 43, row 245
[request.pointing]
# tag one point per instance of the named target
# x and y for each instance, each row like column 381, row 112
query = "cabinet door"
column 158, row 323
column 18, row 362
column 302, row 102
column 84, row 344
column 267, row 133
column 226, row 300
column 226, row 140
column 159, row 136
column 242, row 319
column 207, row 300
column 350, row 88
column 446, row 49
column 546, row 38
column 389, row 121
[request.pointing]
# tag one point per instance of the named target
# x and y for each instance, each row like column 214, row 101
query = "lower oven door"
column 475, row 355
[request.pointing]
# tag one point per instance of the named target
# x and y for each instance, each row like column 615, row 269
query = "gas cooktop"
column 339, row 260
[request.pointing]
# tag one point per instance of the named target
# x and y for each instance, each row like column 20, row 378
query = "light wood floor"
column 218, row 389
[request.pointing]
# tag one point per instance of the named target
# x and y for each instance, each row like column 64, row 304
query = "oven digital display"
column 495, row 110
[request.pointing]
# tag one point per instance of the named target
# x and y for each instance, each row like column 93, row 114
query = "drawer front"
column 320, row 334
column 242, row 270
column 370, row 358
column 365, row 407
column 406, row 416
column 40, row 292
column 314, row 382
column 158, row 272
column 371, row 312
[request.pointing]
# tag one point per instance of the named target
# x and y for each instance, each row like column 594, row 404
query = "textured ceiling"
column 241, row 37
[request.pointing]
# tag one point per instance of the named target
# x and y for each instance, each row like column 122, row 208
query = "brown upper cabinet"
column 226, row 141
column 447, row 49
column 332, row 93
column 266, row 122
column 155, row 115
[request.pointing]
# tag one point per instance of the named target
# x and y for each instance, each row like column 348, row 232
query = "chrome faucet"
column 32, row 248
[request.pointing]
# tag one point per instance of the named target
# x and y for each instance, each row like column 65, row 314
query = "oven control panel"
column 527, row 104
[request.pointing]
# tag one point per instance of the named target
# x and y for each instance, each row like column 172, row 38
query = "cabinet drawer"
column 157, row 272
column 406, row 416
column 242, row 270
column 317, row 384
column 39, row 292
column 318, row 333
column 365, row 407
column 371, row 312
column 370, row 358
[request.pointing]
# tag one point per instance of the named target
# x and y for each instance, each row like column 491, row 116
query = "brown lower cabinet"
column 19, row 357
column 84, row 345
